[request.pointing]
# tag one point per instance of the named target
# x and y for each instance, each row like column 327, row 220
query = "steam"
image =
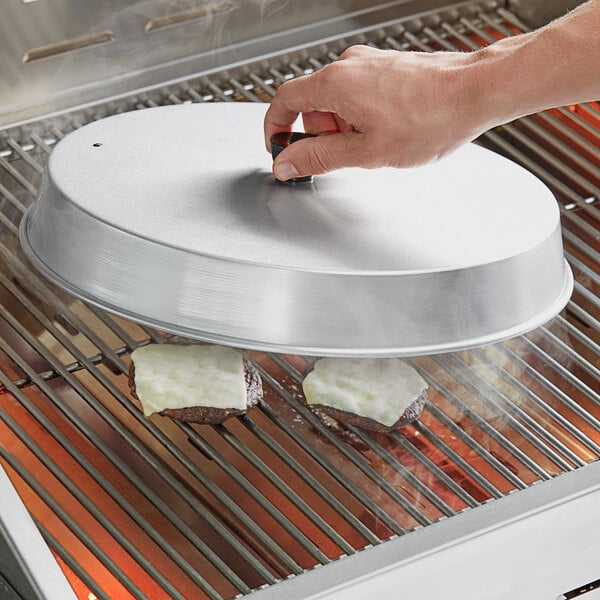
column 148, row 33
column 268, row 8
column 499, row 386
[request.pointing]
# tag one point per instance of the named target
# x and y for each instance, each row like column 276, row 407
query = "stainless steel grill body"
column 503, row 462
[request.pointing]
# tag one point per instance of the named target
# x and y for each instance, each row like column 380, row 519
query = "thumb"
column 321, row 154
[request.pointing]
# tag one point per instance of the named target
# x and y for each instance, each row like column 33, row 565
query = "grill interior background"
column 149, row 508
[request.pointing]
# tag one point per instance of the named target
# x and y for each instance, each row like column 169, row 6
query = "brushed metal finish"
column 474, row 551
column 60, row 54
column 171, row 217
column 26, row 563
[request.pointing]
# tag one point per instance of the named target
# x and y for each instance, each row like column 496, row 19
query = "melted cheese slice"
column 378, row 388
column 172, row 376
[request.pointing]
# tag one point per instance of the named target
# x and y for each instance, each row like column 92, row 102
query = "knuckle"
column 333, row 75
column 287, row 89
column 331, row 71
column 353, row 51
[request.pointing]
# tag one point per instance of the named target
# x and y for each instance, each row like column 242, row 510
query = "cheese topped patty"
column 169, row 376
column 378, row 388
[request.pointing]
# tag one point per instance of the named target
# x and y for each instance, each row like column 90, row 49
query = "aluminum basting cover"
column 171, row 217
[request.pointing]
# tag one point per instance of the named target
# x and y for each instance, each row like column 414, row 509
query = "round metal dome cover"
column 171, row 217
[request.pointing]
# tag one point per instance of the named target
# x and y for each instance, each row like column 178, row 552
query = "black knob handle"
column 280, row 141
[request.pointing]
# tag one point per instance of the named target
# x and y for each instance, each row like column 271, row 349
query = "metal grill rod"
column 584, row 316
column 103, row 482
column 440, row 475
column 114, row 327
column 323, row 492
column 555, row 390
column 73, row 367
column 585, row 364
column 16, row 175
column 363, row 498
column 41, row 288
column 588, row 250
column 71, row 562
column 165, row 442
column 514, row 415
column 399, row 468
column 457, row 374
column 81, row 534
column 44, row 145
column 563, row 371
column 470, row 26
column 575, row 219
column 26, row 156
column 489, row 488
column 287, row 491
column 393, row 462
column 465, row 437
column 542, row 173
column 575, row 333
column 551, row 120
column 568, row 172
column 13, row 200
column 455, row 33
column 359, row 461
column 445, row 44
column 457, row 458
column 132, row 440
column 538, row 402
column 239, row 88
column 498, row 26
column 6, row 222
column 214, row 455
column 512, row 18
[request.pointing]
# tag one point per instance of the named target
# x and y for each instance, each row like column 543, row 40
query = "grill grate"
column 149, row 508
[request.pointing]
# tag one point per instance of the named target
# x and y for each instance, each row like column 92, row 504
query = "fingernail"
column 285, row 171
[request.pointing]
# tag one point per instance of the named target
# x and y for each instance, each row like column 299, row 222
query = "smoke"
column 268, row 8
column 138, row 36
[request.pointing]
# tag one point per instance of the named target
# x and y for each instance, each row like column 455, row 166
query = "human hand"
column 375, row 108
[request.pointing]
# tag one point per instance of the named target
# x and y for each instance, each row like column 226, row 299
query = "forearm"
column 374, row 108
column 549, row 67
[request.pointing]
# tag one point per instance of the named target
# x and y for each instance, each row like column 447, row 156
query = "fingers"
column 292, row 98
column 315, row 156
column 317, row 98
column 318, row 123
column 307, row 95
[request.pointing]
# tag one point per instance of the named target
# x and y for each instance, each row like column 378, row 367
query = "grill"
column 274, row 501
